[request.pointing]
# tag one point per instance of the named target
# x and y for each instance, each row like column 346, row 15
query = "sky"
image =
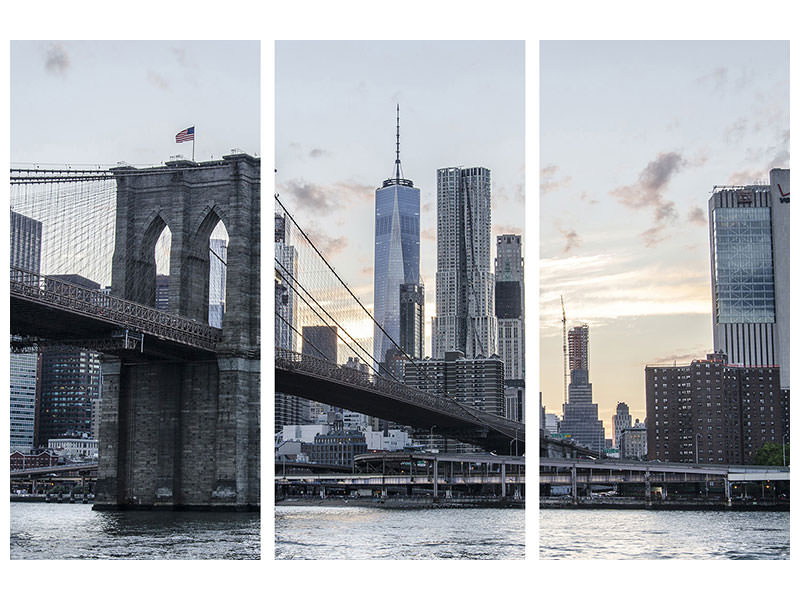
column 461, row 104
column 633, row 138
column 97, row 103
column 94, row 104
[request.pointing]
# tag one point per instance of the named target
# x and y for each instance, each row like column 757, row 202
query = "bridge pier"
column 183, row 431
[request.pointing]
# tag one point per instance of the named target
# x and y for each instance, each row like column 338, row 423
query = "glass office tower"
column 396, row 252
column 750, row 272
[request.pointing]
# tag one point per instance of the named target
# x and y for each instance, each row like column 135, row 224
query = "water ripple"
column 643, row 534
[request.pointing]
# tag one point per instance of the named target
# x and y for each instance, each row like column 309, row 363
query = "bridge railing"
column 124, row 313
column 295, row 361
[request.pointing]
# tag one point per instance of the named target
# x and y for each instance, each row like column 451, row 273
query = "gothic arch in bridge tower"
column 183, row 430
column 197, row 270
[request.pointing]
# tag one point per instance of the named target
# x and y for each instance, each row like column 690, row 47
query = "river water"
column 321, row 532
column 616, row 534
column 71, row 531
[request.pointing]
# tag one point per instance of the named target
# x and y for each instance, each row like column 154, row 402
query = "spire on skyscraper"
column 397, row 166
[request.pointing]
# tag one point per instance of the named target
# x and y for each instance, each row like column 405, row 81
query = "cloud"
column 549, row 181
column 325, row 199
column 735, row 131
column 427, row 206
column 318, row 153
column 428, row 234
column 779, row 152
column 648, row 192
column 329, row 246
column 181, row 56
column 368, row 270
column 745, row 177
column 606, row 287
column 697, row 216
column 571, row 239
column 682, row 356
column 57, row 60
column 717, row 79
column 157, row 80
column 500, row 229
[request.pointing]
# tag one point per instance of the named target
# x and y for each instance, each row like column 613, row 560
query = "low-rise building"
column 74, row 447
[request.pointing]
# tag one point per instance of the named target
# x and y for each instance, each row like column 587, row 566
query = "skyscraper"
column 70, row 394
column 580, row 413
column 396, row 251
column 465, row 319
column 510, row 305
column 26, row 253
column 622, row 420
column 749, row 232
column 289, row 409
column 578, row 340
column 321, row 341
column 218, row 257
column 412, row 319
column 285, row 298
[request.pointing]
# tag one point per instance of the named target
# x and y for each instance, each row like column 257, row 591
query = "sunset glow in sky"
column 634, row 136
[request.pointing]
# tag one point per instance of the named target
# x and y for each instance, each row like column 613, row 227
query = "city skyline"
column 462, row 103
column 625, row 177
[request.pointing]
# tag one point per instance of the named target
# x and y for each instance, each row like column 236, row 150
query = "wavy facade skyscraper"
column 465, row 319
column 396, row 251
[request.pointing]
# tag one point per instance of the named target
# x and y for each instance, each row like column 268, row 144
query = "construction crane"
column 564, row 344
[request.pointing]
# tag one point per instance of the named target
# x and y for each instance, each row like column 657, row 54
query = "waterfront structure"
column 396, row 252
column 26, row 253
column 749, row 233
column 412, row 319
column 74, row 447
column 465, row 318
column 217, row 257
column 622, row 419
column 339, row 446
column 580, row 420
column 712, row 411
column 475, row 382
column 632, row 441
column 33, row 460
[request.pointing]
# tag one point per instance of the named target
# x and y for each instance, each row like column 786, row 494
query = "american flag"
column 187, row 135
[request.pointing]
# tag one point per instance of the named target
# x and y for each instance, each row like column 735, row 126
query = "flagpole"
column 194, row 136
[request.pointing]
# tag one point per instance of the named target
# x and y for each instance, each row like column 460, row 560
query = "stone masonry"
column 184, row 433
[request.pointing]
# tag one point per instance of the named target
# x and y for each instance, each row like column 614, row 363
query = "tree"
column 771, row 454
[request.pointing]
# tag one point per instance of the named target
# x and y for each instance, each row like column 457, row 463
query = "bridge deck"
column 59, row 311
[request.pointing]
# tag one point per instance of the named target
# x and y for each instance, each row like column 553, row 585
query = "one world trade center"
column 396, row 259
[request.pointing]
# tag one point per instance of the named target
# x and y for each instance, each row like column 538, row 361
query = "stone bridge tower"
column 183, row 431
